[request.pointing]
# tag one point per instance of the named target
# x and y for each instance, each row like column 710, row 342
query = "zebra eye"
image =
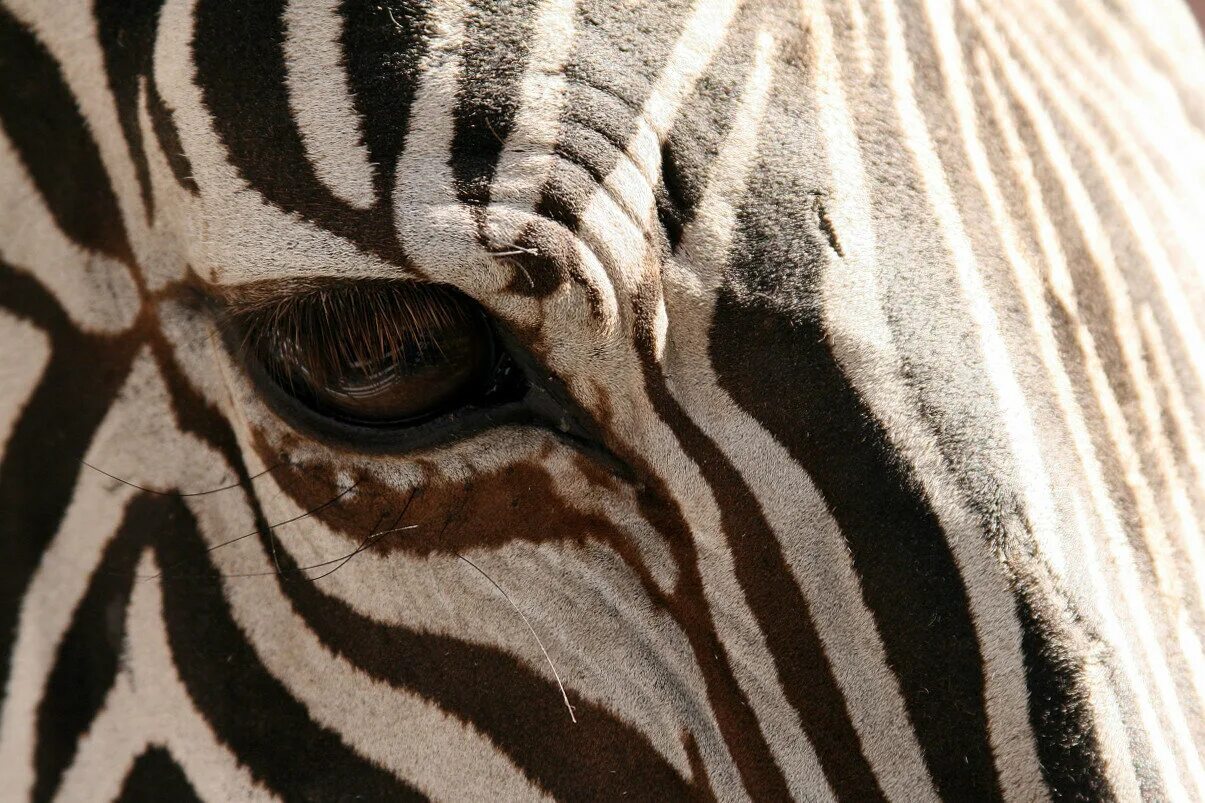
column 373, row 354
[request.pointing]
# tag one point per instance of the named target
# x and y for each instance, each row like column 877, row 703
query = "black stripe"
column 497, row 33
column 88, row 657
column 163, row 121
column 598, row 758
column 767, row 333
column 155, row 777
column 519, row 709
column 126, row 31
column 1063, row 725
column 775, row 599
column 249, row 709
column 240, row 60
column 618, row 53
column 385, row 42
column 41, row 461
column 1094, row 311
column 41, row 119
column 700, row 128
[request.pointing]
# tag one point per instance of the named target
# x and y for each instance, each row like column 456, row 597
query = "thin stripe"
column 797, row 651
column 1018, row 777
column 1157, row 661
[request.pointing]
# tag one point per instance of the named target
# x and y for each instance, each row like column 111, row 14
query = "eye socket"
column 373, row 353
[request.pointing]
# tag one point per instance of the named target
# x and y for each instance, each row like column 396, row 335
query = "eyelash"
column 331, row 330
column 522, row 392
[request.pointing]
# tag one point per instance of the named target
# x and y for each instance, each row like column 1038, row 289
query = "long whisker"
column 341, row 559
column 371, row 539
column 181, row 493
column 374, row 536
column 534, row 635
column 298, row 517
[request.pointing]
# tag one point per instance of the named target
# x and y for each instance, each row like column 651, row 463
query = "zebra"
column 586, row 399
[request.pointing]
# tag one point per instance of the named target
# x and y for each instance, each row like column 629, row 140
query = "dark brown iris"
column 373, row 353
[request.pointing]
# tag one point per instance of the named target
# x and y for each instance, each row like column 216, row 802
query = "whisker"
column 514, row 251
column 371, row 539
column 534, row 635
column 298, row 517
column 181, row 493
column 374, row 536
column 341, row 559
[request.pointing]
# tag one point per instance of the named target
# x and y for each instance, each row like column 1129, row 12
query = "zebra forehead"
column 434, row 155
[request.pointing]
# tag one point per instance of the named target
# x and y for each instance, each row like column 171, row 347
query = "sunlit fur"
column 864, row 457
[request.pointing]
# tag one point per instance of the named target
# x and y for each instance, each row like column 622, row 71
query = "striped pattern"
column 887, row 310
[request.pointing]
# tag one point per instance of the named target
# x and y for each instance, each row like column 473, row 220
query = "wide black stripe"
column 156, row 777
column 240, row 60
column 40, row 117
column 598, row 758
column 126, row 30
column 767, row 332
column 497, row 33
column 250, row 710
column 41, row 462
column 89, row 655
column 691, row 611
column 776, row 600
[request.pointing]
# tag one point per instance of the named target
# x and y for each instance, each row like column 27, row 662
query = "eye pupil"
column 379, row 354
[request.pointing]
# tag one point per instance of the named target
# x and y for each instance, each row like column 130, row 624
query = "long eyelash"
column 324, row 327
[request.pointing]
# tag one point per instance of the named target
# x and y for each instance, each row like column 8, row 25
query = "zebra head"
column 582, row 398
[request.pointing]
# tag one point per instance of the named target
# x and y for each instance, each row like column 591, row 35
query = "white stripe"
column 1132, row 587
column 862, row 343
column 231, row 235
column 617, row 216
column 440, row 754
column 1148, row 240
column 437, row 231
column 148, row 705
column 1117, row 637
column 67, row 30
column 22, row 361
column 131, row 443
column 97, row 292
column 1177, row 405
column 1117, row 291
column 1014, row 407
column 321, row 100
column 1019, row 775
column 707, row 238
column 689, row 278
column 1031, row 285
column 1156, row 86
column 1180, row 149
column 527, row 155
